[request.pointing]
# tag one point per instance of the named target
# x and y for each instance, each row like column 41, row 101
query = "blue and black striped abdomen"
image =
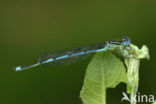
column 64, row 56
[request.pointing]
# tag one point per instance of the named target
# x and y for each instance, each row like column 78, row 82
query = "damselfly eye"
column 126, row 41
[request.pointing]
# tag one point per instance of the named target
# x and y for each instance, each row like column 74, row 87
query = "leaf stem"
column 133, row 63
column 133, row 77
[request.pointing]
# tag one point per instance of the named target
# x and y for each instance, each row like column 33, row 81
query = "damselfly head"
column 126, row 41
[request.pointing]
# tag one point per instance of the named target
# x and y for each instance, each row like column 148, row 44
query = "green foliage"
column 104, row 71
column 107, row 71
column 154, row 102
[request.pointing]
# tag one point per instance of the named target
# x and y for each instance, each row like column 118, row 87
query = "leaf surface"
column 104, row 71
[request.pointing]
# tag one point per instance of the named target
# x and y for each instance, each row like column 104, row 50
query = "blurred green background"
column 29, row 28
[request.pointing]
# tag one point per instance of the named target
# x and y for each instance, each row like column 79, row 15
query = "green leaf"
column 154, row 102
column 104, row 71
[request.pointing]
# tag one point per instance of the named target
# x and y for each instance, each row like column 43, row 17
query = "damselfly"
column 70, row 55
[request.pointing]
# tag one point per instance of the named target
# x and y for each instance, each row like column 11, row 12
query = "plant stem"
column 133, row 63
column 133, row 77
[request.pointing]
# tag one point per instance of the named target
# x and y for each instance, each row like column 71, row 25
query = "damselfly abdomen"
column 72, row 54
